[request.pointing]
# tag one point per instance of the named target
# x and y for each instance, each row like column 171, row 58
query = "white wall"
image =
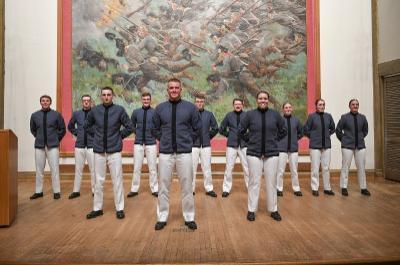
column 31, row 48
column 388, row 30
column 31, row 67
column 346, row 63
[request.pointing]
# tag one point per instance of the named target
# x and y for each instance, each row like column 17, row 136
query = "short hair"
column 287, row 102
column 200, row 96
column 353, row 99
column 107, row 88
column 262, row 92
column 45, row 96
column 146, row 94
column 318, row 100
column 237, row 99
column 174, row 79
column 86, row 96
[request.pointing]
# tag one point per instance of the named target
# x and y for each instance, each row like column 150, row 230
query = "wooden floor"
column 321, row 230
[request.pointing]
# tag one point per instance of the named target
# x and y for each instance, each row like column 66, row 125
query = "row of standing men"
column 263, row 139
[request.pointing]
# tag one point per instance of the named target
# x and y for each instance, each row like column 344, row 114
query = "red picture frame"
column 64, row 75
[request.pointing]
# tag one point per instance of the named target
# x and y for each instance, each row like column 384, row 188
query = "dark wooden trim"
column 378, row 133
column 2, row 53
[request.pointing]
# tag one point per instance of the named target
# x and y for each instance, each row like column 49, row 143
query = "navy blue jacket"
column 229, row 128
column 176, row 125
column 84, row 137
column 142, row 118
column 262, row 129
column 295, row 131
column 209, row 129
column 107, row 122
column 320, row 136
column 48, row 128
column 346, row 130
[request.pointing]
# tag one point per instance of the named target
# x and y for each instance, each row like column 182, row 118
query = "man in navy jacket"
column 177, row 125
column 48, row 128
column 235, row 145
column 202, row 146
column 107, row 120
column 288, row 150
column 351, row 130
column 145, row 143
column 83, row 145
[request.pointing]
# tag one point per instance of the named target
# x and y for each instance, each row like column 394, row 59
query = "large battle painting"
column 221, row 48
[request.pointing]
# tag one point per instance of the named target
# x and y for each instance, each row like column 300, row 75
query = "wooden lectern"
column 8, row 177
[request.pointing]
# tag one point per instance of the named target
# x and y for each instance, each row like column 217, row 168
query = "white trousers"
column 114, row 163
column 139, row 152
column 183, row 164
column 204, row 154
column 82, row 155
column 320, row 157
column 359, row 158
column 231, row 154
column 52, row 155
column 257, row 166
column 293, row 162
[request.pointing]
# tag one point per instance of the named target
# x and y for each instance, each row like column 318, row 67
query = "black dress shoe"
column 56, row 196
column 160, row 225
column 120, row 214
column 74, row 195
column 191, row 225
column 365, row 192
column 211, row 193
column 298, row 193
column 329, row 192
column 94, row 214
column 345, row 192
column 276, row 216
column 251, row 216
column 225, row 194
column 132, row 194
column 315, row 193
column 279, row 193
column 155, row 194
column 36, row 195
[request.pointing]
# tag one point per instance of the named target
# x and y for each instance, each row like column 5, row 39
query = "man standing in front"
column 145, row 143
column 235, row 145
column 48, row 128
column 107, row 120
column 83, row 145
column 351, row 130
column 177, row 125
column 202, row 146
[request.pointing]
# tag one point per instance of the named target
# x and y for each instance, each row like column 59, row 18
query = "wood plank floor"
column 321, row 230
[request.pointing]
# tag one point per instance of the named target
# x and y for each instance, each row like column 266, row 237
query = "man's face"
column 287, row 109
column 237, row 105
column 354, row 105
column 146, row 101
column 106, row 96
column 199, row 102
column 262, row 101
column 86, row 103
column 215, row 84
column 320, row 106
column 174, row 90
column 45, row 103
